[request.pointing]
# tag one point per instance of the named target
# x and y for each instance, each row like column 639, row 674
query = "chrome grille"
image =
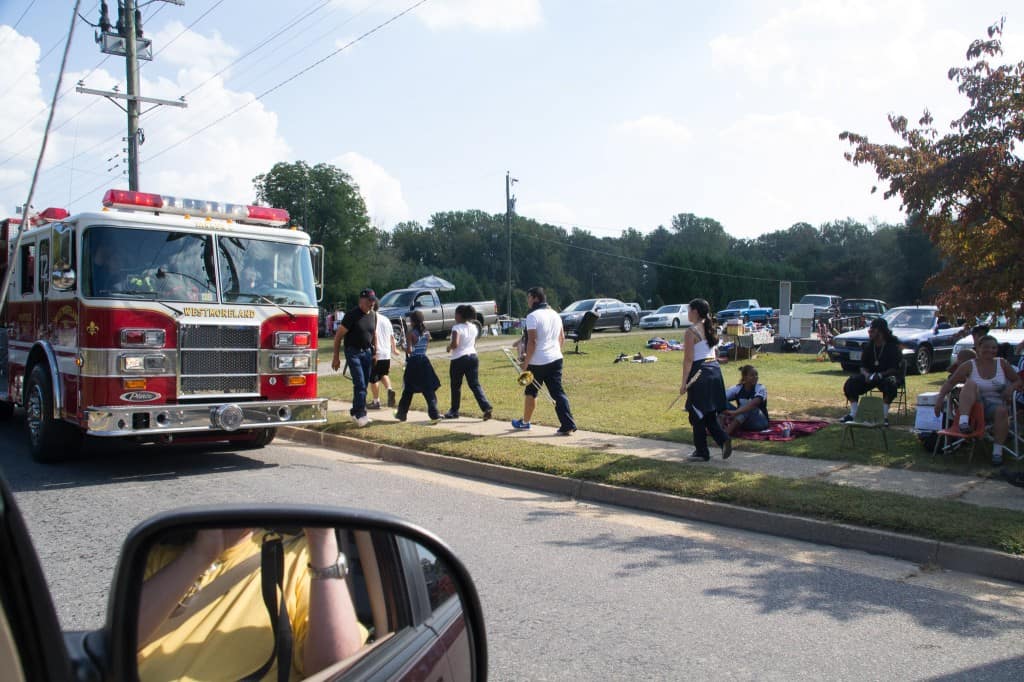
column 217, row 360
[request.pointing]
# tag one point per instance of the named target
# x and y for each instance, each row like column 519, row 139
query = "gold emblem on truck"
column 92, row 328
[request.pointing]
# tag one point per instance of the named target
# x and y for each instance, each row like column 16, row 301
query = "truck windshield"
column 120, row 262
column 742, row 303
column 397, row 299
column 257, row 271
column 816, row 300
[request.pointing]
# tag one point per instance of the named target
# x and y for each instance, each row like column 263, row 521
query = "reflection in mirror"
column 320, row 603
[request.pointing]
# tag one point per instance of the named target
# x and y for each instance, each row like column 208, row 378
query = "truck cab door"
column 428, row 303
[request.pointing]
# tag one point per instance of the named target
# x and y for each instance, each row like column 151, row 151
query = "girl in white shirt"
column 464, row 361
column 702, row 383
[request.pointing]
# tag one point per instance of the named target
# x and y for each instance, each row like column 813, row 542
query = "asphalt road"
column 570, row 591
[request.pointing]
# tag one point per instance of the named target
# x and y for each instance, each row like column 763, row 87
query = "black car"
column 611, row 314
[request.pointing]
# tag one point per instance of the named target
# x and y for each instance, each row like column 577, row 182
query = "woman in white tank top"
column 702, row 383
column 990, row 380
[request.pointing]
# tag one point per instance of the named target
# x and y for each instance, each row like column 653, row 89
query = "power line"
column 665, row 265
column 297, row 74
column 187, row 28
column 14, row 28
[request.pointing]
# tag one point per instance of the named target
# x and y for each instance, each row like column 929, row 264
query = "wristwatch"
column 336, row 571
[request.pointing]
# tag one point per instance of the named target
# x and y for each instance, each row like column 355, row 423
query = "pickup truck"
column 439, row 317
column 746, row 309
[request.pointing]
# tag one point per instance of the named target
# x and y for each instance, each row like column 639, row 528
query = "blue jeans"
column 360, row 365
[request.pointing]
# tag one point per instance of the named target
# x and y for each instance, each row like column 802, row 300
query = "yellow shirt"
column 223, row 632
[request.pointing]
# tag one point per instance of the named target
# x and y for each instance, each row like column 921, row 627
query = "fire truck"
column 158, row 319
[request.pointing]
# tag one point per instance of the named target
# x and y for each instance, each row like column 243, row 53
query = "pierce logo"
column 139, row 396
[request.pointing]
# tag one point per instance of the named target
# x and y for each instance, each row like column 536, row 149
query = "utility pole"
column 127, row 41
column 510, row 208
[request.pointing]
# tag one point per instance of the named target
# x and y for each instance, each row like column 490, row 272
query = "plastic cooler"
column 925, row 420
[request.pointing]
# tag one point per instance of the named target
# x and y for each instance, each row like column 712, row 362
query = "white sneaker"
column 363, row 421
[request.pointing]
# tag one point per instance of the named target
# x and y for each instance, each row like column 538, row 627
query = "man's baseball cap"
column 979, row 329
column 368, row 293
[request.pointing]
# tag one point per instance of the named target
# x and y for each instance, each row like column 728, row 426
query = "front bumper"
column 149, row 420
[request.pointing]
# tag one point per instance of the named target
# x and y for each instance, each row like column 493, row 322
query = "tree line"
column 692, row 256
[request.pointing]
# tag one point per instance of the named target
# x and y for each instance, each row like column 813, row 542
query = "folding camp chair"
column 583, row 331
column 950, row 437
column 900, row 401
column 869, row 416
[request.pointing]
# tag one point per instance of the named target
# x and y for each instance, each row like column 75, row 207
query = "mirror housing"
column 117, row 643
column 316, row 251
column 63, row 279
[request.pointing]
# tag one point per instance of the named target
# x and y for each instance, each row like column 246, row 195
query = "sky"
column 610, row 114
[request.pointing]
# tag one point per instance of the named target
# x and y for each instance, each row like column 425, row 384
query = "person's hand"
column 335, row 363
column 682, row 388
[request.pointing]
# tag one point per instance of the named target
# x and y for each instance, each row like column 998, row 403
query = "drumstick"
column 688, row 384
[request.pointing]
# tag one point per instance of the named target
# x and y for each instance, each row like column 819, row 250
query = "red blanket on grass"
column 776, row 429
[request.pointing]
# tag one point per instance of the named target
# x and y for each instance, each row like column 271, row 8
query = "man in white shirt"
column 544, row 339
column 386, row 347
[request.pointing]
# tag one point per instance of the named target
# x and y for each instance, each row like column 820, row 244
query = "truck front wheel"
column 49, row 440
column 261, row 438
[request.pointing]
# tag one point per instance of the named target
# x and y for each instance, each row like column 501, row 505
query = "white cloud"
column 488, row 15
column 218, row 163
column 23, row 115
column 381, row 191
column 658, row 128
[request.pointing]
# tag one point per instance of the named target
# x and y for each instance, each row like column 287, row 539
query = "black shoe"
column 451, row 415
column 487, row 415
column 695, row 457
column 847, row 418
column 885, row 422
column 566, row 432
column 400, row 417
column 727, row 449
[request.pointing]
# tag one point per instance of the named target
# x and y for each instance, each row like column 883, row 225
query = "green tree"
column 965, row 187
column 326, row 202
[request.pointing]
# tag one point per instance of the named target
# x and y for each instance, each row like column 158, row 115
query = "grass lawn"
column 944, row 520
column 632, row 399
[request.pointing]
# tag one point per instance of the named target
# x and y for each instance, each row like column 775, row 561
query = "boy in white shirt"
column 386, row 346
column 544, row 339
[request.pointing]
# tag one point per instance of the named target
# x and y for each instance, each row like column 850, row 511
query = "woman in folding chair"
column 990, row 380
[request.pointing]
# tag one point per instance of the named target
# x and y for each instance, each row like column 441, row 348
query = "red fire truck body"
column 159, row 318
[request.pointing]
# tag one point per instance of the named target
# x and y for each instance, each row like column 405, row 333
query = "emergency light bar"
column 158, row 203
column 49, row 215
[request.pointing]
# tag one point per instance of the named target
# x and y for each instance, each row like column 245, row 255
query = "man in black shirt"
column 880, row 368
column 357, row 330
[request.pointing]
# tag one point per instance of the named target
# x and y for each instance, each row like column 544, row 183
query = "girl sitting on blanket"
column 751, row 403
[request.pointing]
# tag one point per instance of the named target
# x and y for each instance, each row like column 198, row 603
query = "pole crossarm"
column 110, row 94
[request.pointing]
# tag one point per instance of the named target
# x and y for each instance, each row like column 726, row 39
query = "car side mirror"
column 237, row 592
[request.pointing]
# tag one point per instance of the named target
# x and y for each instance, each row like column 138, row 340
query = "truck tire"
column 260, row 439
column 399, row 332
column 675, row 323
column 49, row 440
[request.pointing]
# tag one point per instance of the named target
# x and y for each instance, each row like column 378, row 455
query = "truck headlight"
column 137, row 363
column 289, row 363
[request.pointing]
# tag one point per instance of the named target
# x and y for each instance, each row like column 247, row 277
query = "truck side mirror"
column 63, row 278
column 62, row 274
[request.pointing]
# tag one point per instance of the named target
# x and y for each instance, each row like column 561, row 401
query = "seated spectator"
column 880, row 366
column 977, row 332
column 990, row 380
column 750, row 400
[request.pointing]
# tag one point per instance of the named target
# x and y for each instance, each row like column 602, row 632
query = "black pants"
column 467, row 366
column 858, row 385
column 550, row 376
column 406, row 400
column 701, row 426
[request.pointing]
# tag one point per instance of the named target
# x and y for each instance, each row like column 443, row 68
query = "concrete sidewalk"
column 982, row 492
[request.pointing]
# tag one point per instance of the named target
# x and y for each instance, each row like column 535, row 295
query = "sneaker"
column 434, row 420
column 697, row 457
column 727, row 449
column 520, row 424
column 965, row 428
column 487, row 415
column 450, row 415
column 885, row 422
column 847, row 419
column 391, row 397
column 363, row 421
column 375, row 405
column 566, row 432
column 400, row 417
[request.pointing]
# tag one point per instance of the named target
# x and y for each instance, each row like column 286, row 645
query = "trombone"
column 525, row 377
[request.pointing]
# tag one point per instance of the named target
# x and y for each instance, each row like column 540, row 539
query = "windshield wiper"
column 267, row 299
column 151, row 295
